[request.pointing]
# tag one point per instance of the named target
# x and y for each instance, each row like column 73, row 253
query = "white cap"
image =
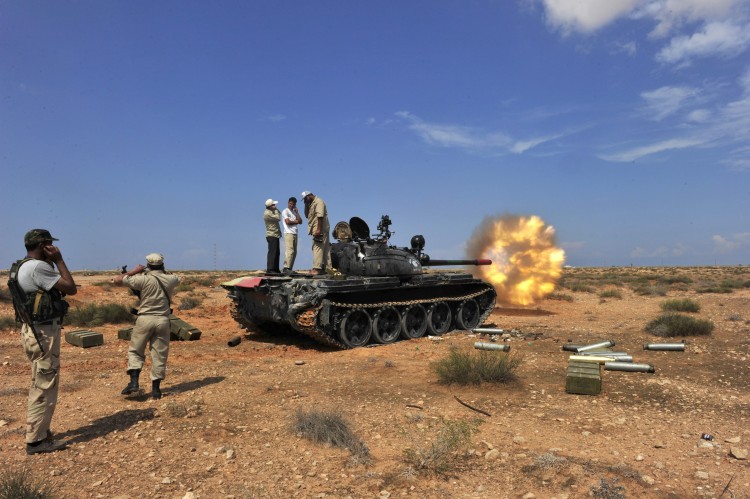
column 155, row 259
column 305, row 194
column 270, row 201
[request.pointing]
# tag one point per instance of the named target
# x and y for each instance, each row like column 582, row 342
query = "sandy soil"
column 224, row 427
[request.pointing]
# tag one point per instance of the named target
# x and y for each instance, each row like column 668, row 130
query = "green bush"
column 93, row 315
column 714, row 289
column 611, row 293
column 683, row 305
column 328, row 428
column 15, row 484
column 476, row 367
column 439, row 456
column 671, row 325
column 580, row 288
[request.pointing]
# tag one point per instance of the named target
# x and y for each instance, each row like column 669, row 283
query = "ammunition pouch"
column 46, row 305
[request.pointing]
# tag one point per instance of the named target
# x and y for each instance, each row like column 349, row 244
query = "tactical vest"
column 41, row 305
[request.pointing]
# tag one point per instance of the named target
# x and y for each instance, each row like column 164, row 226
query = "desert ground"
column 225, row 425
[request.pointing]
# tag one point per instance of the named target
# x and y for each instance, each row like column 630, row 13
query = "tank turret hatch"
column 360, row 229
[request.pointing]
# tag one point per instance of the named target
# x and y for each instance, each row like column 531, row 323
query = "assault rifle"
column 19, row 304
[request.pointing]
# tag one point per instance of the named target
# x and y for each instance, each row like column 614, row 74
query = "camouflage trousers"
column 290, row 250
column 45, row 378
column 321, row 251
column 152, row 330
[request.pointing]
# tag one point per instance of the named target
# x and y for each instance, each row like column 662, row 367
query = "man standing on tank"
column 272, row 217
column 44, row 276
column 318, row 228
column 155, row 288
column 291, row 219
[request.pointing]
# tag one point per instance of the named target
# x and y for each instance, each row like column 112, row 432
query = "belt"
column 51, row 322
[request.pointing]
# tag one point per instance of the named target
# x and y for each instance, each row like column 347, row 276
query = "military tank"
column 374, row 293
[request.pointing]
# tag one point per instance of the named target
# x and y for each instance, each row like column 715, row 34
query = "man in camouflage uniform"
column 155, row 289
column 317, row 226
column 38, row 276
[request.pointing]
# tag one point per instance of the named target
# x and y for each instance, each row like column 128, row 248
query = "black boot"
column 155, row 391
column 133, row 385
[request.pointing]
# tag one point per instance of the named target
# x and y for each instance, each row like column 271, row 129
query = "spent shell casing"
column 571, row 347
column 234, row 341
column 596, row 346
column 487, row 330
column 673, row 347
column 492, row 346
column 629, row 367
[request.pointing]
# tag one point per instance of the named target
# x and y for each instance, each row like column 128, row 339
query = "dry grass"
column 671, row 325
column 440, row 455
column 476, row 367
column 681, row 305
column 329, row 427
column 93, row 315
column 21, row 484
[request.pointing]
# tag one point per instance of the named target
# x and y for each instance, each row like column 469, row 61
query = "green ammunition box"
column 124, row 334
column 584, row 378
column 84, row 339
column 179, row 330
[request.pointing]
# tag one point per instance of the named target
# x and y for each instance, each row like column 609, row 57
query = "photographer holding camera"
column 155, row 288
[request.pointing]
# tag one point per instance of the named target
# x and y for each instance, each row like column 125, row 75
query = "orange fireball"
column 526, row 264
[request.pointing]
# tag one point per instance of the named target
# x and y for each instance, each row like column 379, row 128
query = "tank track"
column 306, row 322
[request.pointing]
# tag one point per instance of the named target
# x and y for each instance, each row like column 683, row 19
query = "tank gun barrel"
column 444, row 263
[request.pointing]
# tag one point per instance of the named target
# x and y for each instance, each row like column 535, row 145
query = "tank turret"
column 378, row 293
column 358, row 254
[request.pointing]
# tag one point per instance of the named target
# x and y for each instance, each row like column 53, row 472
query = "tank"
column 374, row 293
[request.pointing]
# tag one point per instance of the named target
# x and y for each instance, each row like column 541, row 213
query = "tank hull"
column 353, row 311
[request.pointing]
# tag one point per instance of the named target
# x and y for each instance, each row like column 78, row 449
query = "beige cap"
column 270, row 201
column 155, row 259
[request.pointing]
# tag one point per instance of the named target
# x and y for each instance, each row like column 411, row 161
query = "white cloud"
column 585, row 16
column 641, row 151
column 665, row 101
column 699, row 115
column 661, row 251
column 670, row 14
column 723, row 245
column 464, row 137
column 725, row 39
column 629, row 48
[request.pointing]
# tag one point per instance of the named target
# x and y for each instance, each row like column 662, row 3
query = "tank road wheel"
column 413, row 322
column 386, row 325
column 439, row 318
column 467, row 315
column 356, row 328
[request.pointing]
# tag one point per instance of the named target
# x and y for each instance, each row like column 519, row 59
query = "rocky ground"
column 225, row 425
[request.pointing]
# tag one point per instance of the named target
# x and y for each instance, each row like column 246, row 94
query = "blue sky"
column 132, row 127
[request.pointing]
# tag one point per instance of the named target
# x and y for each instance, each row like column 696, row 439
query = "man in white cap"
column 272, row 217
column 317, row 226
column 155, row 288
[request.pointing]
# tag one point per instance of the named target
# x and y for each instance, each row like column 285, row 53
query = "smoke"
column 526, row 263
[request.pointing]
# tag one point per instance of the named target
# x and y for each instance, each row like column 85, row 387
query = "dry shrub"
column 7, row 322
column 671, row 325
column 329, row 427
column 93, row 315
column 607, row 490
column 189, row 302
column 611, row 293
column 476, row 367
column 21, row 484
column 681, row 305
column 441, row 454
column 559, row 296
